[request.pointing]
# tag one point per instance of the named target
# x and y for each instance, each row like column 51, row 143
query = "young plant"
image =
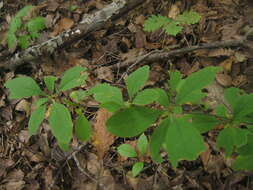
column 128, row 151
column 170, row 26
column 50, row 103
column 22, row 33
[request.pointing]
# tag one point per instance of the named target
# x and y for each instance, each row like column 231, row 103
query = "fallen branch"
column 90, row 23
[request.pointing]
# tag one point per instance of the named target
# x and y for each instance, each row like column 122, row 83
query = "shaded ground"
column 37, row 163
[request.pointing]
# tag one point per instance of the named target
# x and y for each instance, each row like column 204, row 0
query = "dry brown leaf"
column 227, row 64
column 174, row 11
column 105, row 73
column 62, row 25
column 224, row 79
column 93, row 164
column 24, row 106
column 220, row 52
column 102, row 139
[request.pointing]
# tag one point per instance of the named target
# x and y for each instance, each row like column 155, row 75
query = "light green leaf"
column 49, row 81
column 163, row 98
column 230, row 138
column 22, row 87
column 136, row 80
column 12, row 40
column 243, row 163
column 35, row 120
column 142, row 144
column 173, row 28
column 24, row 41
column 35, row 25
column 111, row 106
column 183, row 141
column 155, row 22
column 23, row 12
column 175, row 78
column 72, row 78
column 14, row 25
column 131, row 121
column 40, row 102
column 79, row 95
column 157, row 139
column 127, row 151
column 188, row 17
column 61, row 124
column 137, row 168
column 203, row 123
column 145, row 97
column 82, row 128
column 189, row 89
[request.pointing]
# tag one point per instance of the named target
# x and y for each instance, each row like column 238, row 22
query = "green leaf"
column 24, row 41
column 163, row 98
column 173, row 28
column 189, row 89
column 175, row 78
column 136, row 80
column 127, row 151
column 157, row 140
column 137, row 168
column 183, row 141
column 12, row 40
column 188, row 17
column 78, row 95
column 243, row 107
column 243, row 163
column 82, row 128
column 142, row 144
column 109, row 96
column 35, row 25
column 145, row 97
column 131, row 121
column 23, row 12
column 231, row 95
column 61, row 124
column 22, row 87
column 221, row 111
column 40, row 102
column 247, row 149
column 15, row 24
column 230, row 138
column 49, row 81
column 35, row 120
column 155, row 22
column 72, row 78
column 203, row 123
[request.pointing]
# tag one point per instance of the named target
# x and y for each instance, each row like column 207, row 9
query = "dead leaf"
column 140, row 39
column 220, row 52
column 62, row 25
column 105, row 73
column 24, row 106
column 174, row 11
column 224, row 79
column 102, row 139
column 93, row 164
column 24, row 136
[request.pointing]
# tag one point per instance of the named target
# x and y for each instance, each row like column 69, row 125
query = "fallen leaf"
column 93, row 164
column 62, row 25
column 105, row 73
column 24, row 106
column 224, row 79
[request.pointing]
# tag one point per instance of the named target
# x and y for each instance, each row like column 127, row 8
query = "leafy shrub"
column 170, row 26
column 21, row 33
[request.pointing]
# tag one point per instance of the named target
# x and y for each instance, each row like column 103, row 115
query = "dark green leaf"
column 243, row 163
column 247, row 149
column 145, row 97
column 35, row 120
column 126, row 150
column 82, row 128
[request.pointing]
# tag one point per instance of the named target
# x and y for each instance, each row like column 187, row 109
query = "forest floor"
column 36, row 162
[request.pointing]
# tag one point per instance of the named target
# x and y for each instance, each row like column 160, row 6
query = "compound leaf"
column 61, row 124
column 12, row 40
column 24, row 11
column 188, row 17
column 49, row 81
column 72, row 78
column 24, row 41
column 142, row 144
column 137, row 168
column 35, row 25
column 22, row 87
column 82, row 128
column 127, row 151
column 131, row 121
column 35, row 120
column 155, row 22
column 173, row 28
column 136, row 80
column 145, row 97
column 230, row 138
column 183, row 141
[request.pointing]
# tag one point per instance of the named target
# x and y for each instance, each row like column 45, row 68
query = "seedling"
column 59, row 118
column 23, row 30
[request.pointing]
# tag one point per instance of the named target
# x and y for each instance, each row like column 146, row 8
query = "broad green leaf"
column 221, row 111
column 49, row 81
column 41, row 102
column 177, row 110
column 22, row 87
column 136, row 80
column 35, row 120
column 243, row 107
column 243, row 163
column 155, row 22
column 157, row 140
column 82, row 128
column 78, row 95
column 189, row 89
column 109, row 96
column 131, row 121
column 24, row 11
column 24, row 41
column 175, row 78
column 147, row 96
column 247, row 149
column 188, row 17
column 173, row 28
column 231, row 95
column 142, row 144
column 230, row 138
column 203, row 123
column 35, row 25
column 163, row 98
column 72, row 78
column 12, row 40
column 183, row 141
column 137, row 168
column 127, row 151
column 61, row 124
